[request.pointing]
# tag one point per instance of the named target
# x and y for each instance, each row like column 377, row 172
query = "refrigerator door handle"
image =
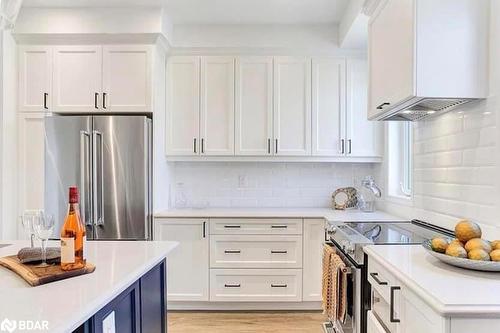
column 84, row 173
column 98, row 202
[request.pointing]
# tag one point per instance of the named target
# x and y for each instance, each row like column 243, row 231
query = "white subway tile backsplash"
column 264, row 184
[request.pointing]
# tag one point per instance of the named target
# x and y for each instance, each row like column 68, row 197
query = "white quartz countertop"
column 351, row 215
column 66, row 304
column 449, row 290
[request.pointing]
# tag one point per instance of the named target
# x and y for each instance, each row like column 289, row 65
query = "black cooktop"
column 414, row 232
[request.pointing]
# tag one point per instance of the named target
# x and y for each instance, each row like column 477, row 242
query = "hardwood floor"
column 245, row 322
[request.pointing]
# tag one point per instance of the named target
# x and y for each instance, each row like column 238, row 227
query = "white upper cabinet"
column 364, row 138
column 417, row 54
column 35, row 78
column 183, row 106
column 217, row 106
column 127, row 78
column 328, row 106
column 292, row 106
column 391, row 54
column 254, row 106
column 77, row 78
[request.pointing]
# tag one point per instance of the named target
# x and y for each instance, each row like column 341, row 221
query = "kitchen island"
column 127, row 290
column 427, row 295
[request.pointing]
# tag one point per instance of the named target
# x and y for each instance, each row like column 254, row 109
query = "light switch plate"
column 108, row 324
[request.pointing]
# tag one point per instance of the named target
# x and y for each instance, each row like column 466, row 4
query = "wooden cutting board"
column 36, row 276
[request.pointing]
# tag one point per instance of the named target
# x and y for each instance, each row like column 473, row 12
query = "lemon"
column 478, row 243
column 439, row 244
column 495, row 255
column 456, row 251
column 478, row 254
column 466, row 230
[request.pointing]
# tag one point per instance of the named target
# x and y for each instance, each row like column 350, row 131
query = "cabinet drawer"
column 256, row 285
column 380, row 279
column 238, row 226
column 238, row 251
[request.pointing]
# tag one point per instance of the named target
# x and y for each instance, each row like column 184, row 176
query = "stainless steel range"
column 349, row 238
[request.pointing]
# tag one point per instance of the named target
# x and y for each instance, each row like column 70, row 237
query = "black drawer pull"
column 232, row 285
column 279, row 226
column 232, row 226
column 232, row 251
column 375, row 277
column 381, row 106
column 279, row 285
column 278, row 252
column 393, row 319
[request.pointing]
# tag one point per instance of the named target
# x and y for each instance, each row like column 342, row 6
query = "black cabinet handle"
column 269, row 146
column 104, row 100
column 279, row 285
column 45, row 95
column 381, row 106
column 204, row 229
column 203, row 146
column 349, row 145
column 232, row 251
column 96, row 96
column 233, row 226
column 275, row 226
column 342, row 146
column 393, row 319
column 232, row 285
column 194, row 145
column 276, row 146
column 278, row 252
column 375, row 277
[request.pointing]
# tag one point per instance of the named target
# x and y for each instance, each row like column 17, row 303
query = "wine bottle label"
column 67, row 250
column 84, row 247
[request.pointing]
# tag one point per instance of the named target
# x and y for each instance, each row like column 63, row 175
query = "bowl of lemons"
column 468, row 250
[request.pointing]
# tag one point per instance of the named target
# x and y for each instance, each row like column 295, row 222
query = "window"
column 400, row 160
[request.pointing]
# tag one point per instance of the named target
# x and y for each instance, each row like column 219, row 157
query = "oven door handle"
column 375, row 277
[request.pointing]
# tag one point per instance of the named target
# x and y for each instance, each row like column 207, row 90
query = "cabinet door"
column 127, row 78
column 77, row 78
column 418, row 317
column 292, row 106
column 35, row 78
column 314, row 237
column 217, row 106
column 391, row 53
column 122, row 314
column 187, row 264
column 254, row 106
column 183, row 106
column 328, row 106
column 364, row 137
column 31, row 161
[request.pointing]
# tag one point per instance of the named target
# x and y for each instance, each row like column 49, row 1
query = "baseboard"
column 239, row 306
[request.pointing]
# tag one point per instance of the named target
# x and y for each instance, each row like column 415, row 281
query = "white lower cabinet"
column 243, row 260
column 187, row 265
column 373, row 325
column 314, row 237
column 256, row 285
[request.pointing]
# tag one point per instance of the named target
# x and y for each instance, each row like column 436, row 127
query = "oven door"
column 352, row 323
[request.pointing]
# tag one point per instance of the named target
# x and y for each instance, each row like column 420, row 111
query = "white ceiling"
column 93, row 3
column 256, row 11
column 225, row 11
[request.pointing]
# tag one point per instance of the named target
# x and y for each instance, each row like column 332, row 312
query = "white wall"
column 8, row 141
column 237, row 184
column 456, row 158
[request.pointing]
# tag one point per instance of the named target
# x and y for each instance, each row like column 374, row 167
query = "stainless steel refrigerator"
column 109, row 158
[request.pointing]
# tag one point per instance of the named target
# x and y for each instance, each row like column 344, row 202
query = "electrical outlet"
column 242, row 181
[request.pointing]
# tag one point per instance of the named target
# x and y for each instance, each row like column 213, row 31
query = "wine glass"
column 43, row 225
column 27, row 221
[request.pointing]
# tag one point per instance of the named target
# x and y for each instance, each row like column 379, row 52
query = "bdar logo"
column 8, row 325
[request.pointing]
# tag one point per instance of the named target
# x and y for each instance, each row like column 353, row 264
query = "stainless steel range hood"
column 420, row 108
